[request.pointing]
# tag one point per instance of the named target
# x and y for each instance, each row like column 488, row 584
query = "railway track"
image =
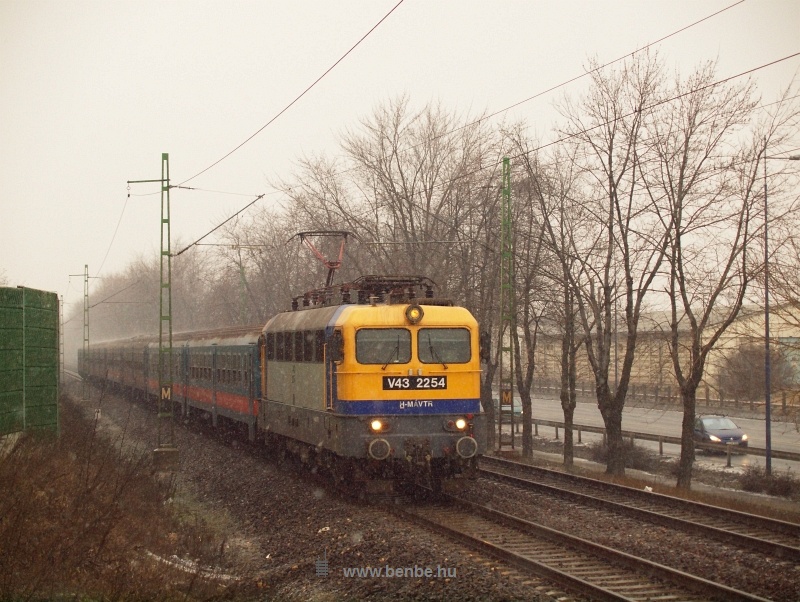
column 586, row 569
column 72, row 374
column 772, row 537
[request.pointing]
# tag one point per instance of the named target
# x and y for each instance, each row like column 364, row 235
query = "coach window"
column 443, row 345
column 383, row 346
column 298, row 346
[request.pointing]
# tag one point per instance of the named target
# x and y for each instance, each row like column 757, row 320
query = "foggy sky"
column 92, row 92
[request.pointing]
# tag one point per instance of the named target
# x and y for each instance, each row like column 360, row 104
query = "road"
column 785, row 435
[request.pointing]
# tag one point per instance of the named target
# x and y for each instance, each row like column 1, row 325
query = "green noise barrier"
column 29, row 354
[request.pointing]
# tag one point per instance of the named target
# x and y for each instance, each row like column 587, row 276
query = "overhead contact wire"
column 575, row 78
column 303, row 93
column 217, row 227
column 113, row 237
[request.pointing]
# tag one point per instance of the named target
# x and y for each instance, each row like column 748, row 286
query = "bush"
column 756, row 480
column 78, row 518
column 636, row 456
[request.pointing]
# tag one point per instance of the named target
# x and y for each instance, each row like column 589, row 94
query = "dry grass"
column 81, row 520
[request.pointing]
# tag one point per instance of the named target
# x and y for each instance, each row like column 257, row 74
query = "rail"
column 662, row 439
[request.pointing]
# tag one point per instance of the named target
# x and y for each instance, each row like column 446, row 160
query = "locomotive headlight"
column 376, row 425
column 414, row 313
column 455, row 425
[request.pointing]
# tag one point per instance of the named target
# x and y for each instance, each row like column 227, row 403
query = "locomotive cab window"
column 383, row 346
column 444, row 346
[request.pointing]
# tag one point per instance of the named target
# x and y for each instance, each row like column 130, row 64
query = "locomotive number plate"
column 407, row 383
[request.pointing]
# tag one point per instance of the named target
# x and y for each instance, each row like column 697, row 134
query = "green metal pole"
column 165, row 456
column 85, row 326
column 166, row 452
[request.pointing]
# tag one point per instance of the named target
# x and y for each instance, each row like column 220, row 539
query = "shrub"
column 80, row 518
column 636, row 456
column 756, row 479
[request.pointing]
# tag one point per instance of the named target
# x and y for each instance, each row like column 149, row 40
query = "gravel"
column 280, row 527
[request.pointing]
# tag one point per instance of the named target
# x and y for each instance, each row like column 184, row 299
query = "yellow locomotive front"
column 411, row 374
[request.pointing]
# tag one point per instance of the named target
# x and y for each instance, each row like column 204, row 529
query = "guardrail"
column 784, row 402
column 662, row 439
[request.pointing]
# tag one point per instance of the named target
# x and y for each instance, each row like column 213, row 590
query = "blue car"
column 719, row 429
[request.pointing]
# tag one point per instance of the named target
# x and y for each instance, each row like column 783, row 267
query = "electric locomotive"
column 380, row 387
column 383, row 389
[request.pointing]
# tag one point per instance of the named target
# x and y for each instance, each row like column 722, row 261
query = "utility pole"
column 165, row 456
column 508, row 321
column 767, row 361
column 85, row 381
column 85, row 323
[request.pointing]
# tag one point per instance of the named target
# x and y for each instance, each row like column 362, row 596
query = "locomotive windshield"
column 443, row 346
column 383, row 346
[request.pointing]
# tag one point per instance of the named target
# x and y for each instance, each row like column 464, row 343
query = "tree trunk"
column 688, row 397
column 569, row 449
column 612, row 418
column 527, row 423
column 568, row 377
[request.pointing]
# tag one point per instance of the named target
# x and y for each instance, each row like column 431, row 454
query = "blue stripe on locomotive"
column 407, row 406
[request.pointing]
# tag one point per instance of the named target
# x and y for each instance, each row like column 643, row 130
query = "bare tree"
column 411, row 186
column 706, row 184
column 621, row 256
column 532, row 298
column 743, row 371
column 561, row 215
